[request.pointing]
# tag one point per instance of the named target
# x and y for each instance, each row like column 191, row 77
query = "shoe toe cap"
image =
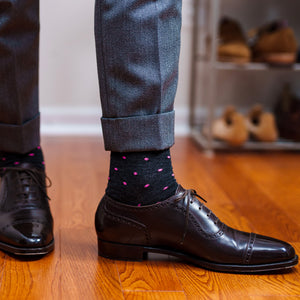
column 29, row 234
column 270, row 250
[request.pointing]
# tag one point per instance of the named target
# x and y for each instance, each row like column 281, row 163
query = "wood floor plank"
column 209, row 285
column 2, row 267
column 38, row 279
column 83, row 182
column 154, row 296
column 85, row 275
column 155, row 274
column 265, row 216
column 278, row 177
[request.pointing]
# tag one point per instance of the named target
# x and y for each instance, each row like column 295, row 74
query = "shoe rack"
column 205, row 97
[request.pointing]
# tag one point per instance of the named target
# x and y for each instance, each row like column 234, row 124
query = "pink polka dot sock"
column 35, row 157
column 141, row 178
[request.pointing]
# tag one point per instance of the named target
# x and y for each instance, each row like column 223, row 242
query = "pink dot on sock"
column 31, row 154
column 3, row 158
column 147, row 185
column 173, row 175
column 124, row 183
column 135, row 173
column 108, row 178
column 169, row 156
column 159, row 170
column 16, row 163
column 116, row 169
column 139, row 204
column 124, row 157
column 165, row 188
column 146, row 158
column 39, row 147
column 43, row 163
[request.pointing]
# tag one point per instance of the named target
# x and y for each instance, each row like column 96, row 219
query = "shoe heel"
column 121, row 251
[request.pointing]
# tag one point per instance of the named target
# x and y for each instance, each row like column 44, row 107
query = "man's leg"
column 138, row 44
column 144, row 210
column 22, row 191
column 19, row 46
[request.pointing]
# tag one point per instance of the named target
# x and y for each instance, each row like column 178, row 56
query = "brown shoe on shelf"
column 287, row 112
column 230, row 127
column 261, row 125
column 274, row 43
column 233, row 45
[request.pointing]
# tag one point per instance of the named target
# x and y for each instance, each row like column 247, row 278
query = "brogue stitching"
column 139, row 209
column 250, row 248
column 206, row 235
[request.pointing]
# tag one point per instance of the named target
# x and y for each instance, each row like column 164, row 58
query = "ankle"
column 34, row 157
column 141, row 178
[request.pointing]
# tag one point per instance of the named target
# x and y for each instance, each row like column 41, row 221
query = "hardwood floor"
column 251, row 191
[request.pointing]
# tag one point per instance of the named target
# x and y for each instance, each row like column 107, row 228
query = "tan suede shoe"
column 230, row 127
column 233, row 46
column 275, row 43
column 261, row 125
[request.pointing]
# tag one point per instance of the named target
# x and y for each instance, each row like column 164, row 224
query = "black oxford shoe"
column 182, row 226
column 26, row 224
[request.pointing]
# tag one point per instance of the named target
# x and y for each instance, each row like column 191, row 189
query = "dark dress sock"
column 141, row 178
column 35, row 157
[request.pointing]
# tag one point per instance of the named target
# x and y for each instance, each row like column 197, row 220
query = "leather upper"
column 182, row 223
column 25, row 217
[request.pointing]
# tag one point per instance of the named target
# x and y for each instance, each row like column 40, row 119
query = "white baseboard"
column 74, row 121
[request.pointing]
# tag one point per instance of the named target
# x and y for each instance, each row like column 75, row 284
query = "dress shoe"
column 230, row 127
column 261, row 125
column 274, row 43
column 233, row 45
column 182, row 226
column 26, row 224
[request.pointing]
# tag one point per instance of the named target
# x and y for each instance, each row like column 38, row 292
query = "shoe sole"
column 20, row 251
column 139, row 253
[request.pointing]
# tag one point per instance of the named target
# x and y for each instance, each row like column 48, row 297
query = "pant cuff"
column 20, row 138
column 139, row 133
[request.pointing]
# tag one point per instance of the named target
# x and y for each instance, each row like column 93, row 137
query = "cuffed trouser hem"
column 20, row 138
column 139, row 133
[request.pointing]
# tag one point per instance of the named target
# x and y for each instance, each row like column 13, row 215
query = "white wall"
column 69, row 93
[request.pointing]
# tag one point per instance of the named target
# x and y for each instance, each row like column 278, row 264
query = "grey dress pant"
column 138, row 44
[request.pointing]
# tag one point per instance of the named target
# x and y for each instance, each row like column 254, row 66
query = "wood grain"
column 154, row 295
column 83, row 272
column 249, row 191
column 156, row 274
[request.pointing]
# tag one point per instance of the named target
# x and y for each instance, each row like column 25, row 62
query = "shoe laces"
column 28, row 178
column 189, row 196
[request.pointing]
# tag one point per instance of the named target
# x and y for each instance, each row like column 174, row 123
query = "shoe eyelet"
column 191, row 202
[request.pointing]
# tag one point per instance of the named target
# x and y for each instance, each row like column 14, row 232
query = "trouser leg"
column 138, row 44
column 19, row 51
